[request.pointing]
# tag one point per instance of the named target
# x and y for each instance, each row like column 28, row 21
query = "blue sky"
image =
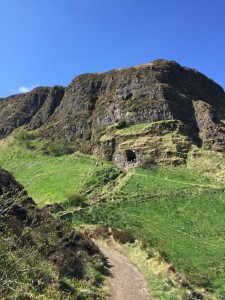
column 49, row 42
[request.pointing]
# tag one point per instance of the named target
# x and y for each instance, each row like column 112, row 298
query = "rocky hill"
column 155, row 112
column 31, row 108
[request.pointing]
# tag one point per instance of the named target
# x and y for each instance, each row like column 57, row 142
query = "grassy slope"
column 178, row 211
column 48, row 179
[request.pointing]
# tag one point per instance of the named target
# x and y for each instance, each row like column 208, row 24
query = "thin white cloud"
column 25, row 89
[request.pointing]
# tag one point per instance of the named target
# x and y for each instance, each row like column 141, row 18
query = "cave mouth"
column 131, row 156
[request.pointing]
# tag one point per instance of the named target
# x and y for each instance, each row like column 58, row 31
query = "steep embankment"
column 41, row 257
column 159, row 91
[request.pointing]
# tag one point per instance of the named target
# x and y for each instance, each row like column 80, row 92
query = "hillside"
column 41, row 257
column 136, row 152
column 176, row 211
column 188, row 109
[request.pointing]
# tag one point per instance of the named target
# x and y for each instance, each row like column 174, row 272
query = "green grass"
column 48, row 179
column 166, row 180
column 176, row 211
column 161, row 283
column 137, row 129
column 133, row 129
column 210, row 163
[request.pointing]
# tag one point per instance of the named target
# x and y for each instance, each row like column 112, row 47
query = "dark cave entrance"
column 131, row 156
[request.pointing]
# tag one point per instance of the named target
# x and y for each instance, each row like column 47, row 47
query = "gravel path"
column 126, row 283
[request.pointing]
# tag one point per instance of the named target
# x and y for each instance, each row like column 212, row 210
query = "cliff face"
column 32, row 108
column 158, row 91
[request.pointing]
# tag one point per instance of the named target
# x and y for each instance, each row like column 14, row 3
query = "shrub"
column 121, row 124
column 57, row 148
column 24, row 135
column 29, row 145
column 76, row 200
column 122, row 236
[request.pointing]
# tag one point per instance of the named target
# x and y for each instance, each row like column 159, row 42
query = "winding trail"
column 126, row 283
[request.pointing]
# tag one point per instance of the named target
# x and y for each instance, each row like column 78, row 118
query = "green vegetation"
column 176, row 211
column 76, row 200
column 41, row 257
column 24, row 135
column 25, row 274
column 163, row 285
column 47, row 178
column 57, row 148
column 121, row 124
column 160, row 127
column 100, row 178
column 134, row 128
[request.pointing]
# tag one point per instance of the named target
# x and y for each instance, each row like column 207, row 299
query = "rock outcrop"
column 149, row 93
column 33, row 108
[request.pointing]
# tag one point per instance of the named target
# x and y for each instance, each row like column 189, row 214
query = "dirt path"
column 126, row 283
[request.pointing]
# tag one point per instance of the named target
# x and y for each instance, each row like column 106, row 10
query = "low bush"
column 57, row 148
column 122, row 236
column 76, row 200
column 121, row 124
column 24, row 135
